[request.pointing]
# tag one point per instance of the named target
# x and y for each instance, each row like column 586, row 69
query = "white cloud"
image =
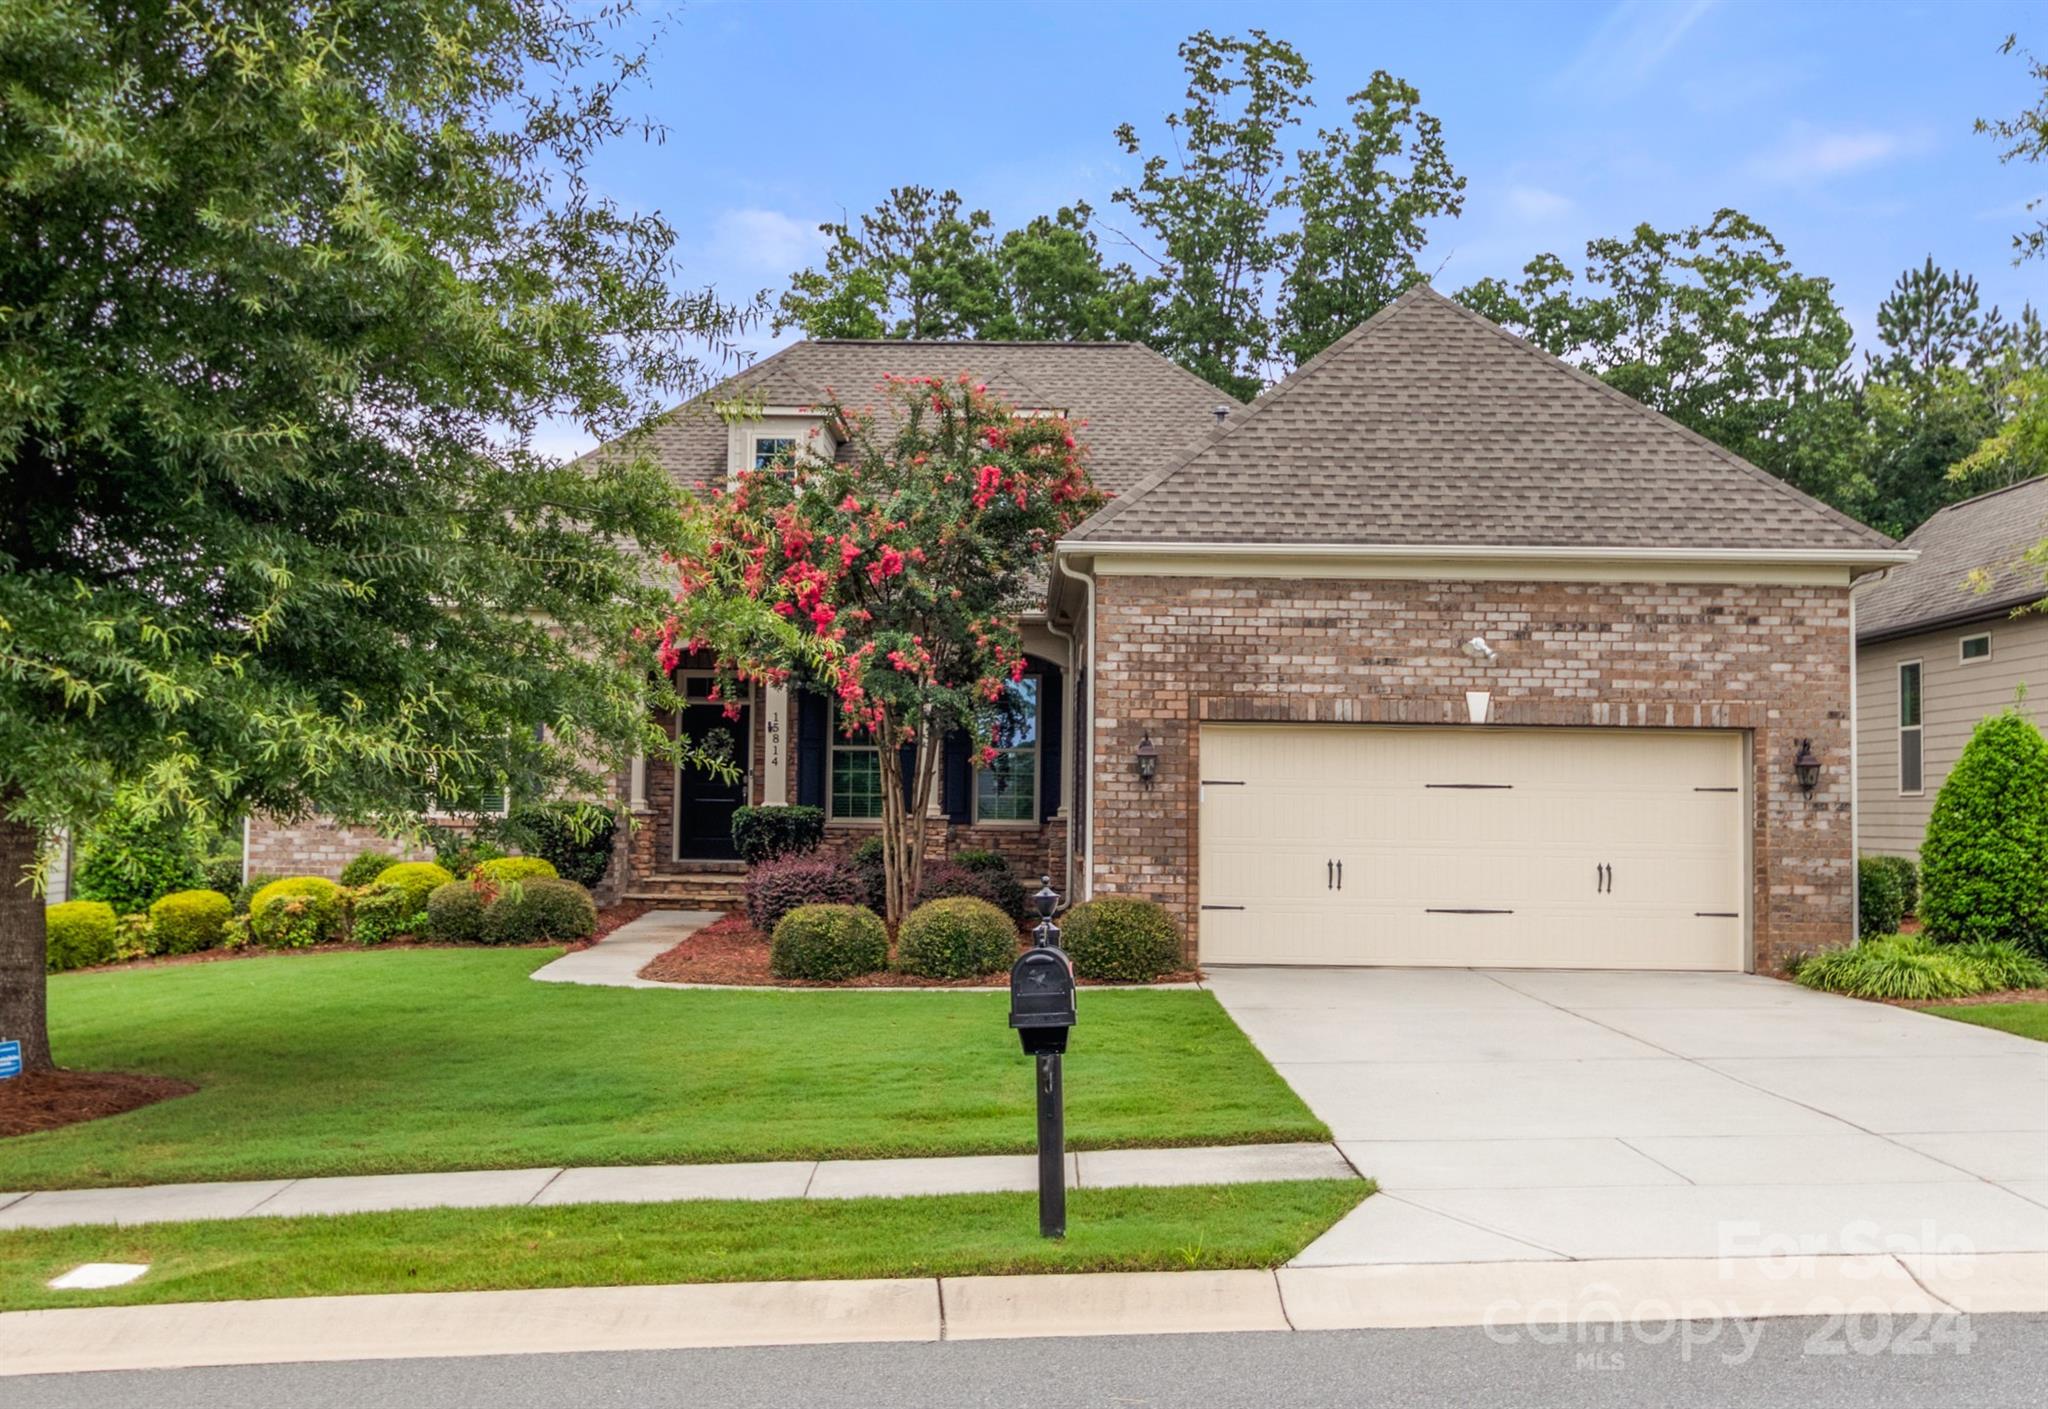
column 1535, row 203
column 758, row 241
column 1809, row 154
column 1625, row 49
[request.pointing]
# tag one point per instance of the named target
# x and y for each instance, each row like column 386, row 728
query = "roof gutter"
column 1869, row 559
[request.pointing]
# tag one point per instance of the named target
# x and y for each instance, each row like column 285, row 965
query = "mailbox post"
column 1042, row 1012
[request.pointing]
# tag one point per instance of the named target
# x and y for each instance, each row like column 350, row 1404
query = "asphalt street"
column 1984, row 1362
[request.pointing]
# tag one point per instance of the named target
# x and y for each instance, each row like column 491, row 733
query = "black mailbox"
column 1042, row 999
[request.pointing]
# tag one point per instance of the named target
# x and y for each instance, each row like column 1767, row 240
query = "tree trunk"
column 23, row 942
column 904, row 804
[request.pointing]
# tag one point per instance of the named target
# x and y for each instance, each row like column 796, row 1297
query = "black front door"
column 705, row 801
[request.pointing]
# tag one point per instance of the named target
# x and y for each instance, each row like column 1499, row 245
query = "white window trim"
column 503, row 809
column 837, row 743
column 1961, row 642
column 1037, row 770
column 754, row 443
column 1919, row 729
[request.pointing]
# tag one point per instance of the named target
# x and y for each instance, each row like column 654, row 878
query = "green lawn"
column 454, row 1059
column 2020, row 1019
column 1241, row 1225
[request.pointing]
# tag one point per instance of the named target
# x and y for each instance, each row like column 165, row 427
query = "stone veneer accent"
column 1774, row 661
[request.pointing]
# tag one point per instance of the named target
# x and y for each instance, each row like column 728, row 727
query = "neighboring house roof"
column 1427, row 426
column 1141, row 410
column 1987, row 535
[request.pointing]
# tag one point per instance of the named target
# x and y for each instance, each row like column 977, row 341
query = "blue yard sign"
column 10, row 1059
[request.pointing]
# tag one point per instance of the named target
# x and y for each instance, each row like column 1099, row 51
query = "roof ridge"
column 1664, row 422
column 1267, row 398
column 1091, row 343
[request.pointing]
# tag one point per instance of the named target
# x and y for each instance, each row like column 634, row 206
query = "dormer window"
column 776, row 453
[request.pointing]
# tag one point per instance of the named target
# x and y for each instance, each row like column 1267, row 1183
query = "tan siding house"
column 1939, row 648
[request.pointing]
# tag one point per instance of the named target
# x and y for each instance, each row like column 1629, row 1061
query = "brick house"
column 1441, row 652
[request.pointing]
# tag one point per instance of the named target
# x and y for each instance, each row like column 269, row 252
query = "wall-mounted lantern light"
column 1148, row 759
column 1806, row 767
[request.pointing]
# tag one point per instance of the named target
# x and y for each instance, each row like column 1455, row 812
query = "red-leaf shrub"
column 775, row 888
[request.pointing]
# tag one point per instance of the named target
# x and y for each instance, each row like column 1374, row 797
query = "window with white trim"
column 1976, row 647
column 1006, row 788
column 1910, row 778
column 855, row 770
column 775, row 452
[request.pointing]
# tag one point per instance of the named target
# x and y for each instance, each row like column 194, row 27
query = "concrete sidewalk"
column 663, row 1183
column 616, row 960
column 1500, row 1295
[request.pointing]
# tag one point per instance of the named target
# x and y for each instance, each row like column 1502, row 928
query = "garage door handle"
column 1329, row 875
column 1340, row 875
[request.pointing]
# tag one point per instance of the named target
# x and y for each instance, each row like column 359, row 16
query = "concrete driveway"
column 1521, row 1114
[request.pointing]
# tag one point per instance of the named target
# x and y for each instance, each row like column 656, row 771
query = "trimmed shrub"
column 1881, row 900
column 81, row 935
column 455, row 913
column 382, row 912
column 771, row 833
column 774, row 888
column 1122, row 940
column 503, row 869
column 960, row 937
column 943, row 880
column 827, row 943
column 1908, row 872
column 416, row 879
column 1914, row 968
column 299, row 912
column 245, row 893
column 575, row 837
column 130, row 862
column 1984, row 863
column 1012, row 895
column 187, row 921
column 223, row 872
column 542, row 908
column 367, row 866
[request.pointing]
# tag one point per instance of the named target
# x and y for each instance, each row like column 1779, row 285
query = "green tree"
column 1984, row 862
column 920, row 266
column 1366, row 195
column 286, row 289
column 904, row 560
column 1210, row 209
column 2026, row 137
column 1712, row 326
column 2018, row 448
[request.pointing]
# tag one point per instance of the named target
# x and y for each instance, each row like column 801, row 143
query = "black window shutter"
column 906, row 761
column 1052, row 714
column 957, row 795
column 813, row 720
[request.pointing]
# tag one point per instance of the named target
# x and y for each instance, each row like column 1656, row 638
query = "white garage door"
column 1473, row 847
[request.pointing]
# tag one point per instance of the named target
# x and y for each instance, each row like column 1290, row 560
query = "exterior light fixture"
column 1479, row 650
column 1148, row 759
column 1806, row 767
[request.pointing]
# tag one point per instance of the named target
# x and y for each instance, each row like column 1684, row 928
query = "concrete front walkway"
column 1880, row 1290
column 1542, row 1115
column 782, row 1179
column 616, row 960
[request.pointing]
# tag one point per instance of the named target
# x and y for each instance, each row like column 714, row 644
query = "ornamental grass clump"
column 1913, row 968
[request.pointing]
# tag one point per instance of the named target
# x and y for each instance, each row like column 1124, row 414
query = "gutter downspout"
column 1068, row 702
column 1087, row 715
column 1855, row 785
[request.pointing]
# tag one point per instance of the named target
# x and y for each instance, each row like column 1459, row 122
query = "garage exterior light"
column 1148, row 759
column 1806, row 767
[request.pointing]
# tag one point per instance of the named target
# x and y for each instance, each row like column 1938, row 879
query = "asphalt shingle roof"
column 1142, row 411
column 1428, row 426
column 1989, row 534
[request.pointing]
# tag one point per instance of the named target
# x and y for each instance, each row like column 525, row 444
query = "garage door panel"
column 1474, row 847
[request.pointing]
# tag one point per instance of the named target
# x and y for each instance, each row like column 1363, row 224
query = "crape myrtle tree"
column 903, row 562
column 284, row 290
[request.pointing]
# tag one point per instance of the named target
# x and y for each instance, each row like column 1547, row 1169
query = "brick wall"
column 1773, row 661
column 315, row 847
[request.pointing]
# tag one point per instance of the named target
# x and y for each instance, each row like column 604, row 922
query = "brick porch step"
column 703, row 888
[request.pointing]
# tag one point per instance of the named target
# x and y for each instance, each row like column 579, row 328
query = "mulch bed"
column 47, row 1100
column 731, row 951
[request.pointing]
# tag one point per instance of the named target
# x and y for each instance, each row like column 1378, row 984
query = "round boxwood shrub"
column 501, row 869
column 81, row 935
column 298, row 912
column 187, row 921
column 367, row 866
column 1907, row 870
column 416, row 880
column 1881, row 899
column 959, row 937
column 1984, row 862
column 455, row 913
column 944, row 880
column 542, row 908
column 828, row 943
column 770, row 833
column 1122, row 940
column 775, row 888
column 1011, row 894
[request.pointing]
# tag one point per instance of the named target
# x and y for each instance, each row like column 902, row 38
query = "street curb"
column 1499, row 1296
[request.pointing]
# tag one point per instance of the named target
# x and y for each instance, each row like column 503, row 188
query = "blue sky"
column 1845, row 128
